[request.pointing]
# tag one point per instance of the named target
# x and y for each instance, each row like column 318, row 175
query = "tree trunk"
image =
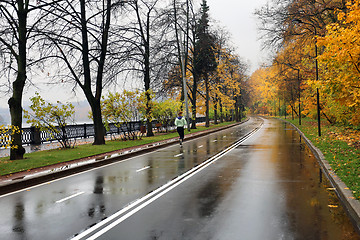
column 221, row 112
column 236, row 109
column 15, row 102
column 17, row 151
column 149, row 131
column 93, row 101
column 215, row 111
column 98, row 123
column 207, row 121
column 193, row 103
column 241, row 107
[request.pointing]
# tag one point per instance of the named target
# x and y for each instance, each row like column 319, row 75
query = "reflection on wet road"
column 269, row 187
column 63, row 208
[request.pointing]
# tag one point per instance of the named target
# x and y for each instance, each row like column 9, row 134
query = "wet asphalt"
column 269, row 186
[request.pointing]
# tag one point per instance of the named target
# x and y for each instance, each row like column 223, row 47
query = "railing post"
column 35, row 135
column 85, row 135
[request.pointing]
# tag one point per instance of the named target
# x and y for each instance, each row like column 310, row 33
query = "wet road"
column 268, row 186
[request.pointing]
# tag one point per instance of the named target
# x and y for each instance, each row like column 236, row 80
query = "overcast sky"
column 238, row 18
column 235, row 15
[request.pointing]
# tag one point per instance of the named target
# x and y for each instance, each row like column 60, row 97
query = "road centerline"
column 70, row 197
column 142, row 169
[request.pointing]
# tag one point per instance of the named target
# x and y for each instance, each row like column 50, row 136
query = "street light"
column 316, row 72
column 298, row 70
column 183, row 73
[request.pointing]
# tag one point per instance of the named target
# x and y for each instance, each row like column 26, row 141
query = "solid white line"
column 142, row 169
column 135, row 210
column 178, row 155
column 72, row 196
column 156, row 194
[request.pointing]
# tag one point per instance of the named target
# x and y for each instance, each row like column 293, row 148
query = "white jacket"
column 180, row 122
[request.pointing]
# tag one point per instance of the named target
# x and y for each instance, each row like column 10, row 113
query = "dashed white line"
column 72, row 196
column 201, row 146
column 142, row 169
column 178, row 155
column 120, row 216
column 215, row 141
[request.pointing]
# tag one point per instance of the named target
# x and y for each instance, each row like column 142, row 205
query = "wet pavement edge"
column 345, row 195
column 21, row 180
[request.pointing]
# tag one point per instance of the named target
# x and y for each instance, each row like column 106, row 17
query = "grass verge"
column 341, row 148
column 50, row 157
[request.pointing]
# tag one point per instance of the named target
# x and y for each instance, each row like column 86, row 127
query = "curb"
column 23, row 180
column 345, row 195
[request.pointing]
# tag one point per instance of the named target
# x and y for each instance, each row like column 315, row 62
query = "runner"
column 180, row 122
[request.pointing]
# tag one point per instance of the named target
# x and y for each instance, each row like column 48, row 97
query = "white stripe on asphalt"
column 201, row 146
column 67, row 198
column 142, row 169
column 178, row 155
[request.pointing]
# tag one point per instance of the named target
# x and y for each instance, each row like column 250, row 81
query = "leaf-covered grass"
column 341, row 148
column 50, row 157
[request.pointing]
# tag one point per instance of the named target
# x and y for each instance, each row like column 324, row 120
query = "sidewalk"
column 20, row 180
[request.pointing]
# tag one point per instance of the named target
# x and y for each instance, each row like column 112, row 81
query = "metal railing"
column 33, row 135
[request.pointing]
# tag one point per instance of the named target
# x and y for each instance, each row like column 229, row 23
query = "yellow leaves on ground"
column 350, row 136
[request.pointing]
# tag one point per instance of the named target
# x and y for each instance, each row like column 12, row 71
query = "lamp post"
column 183, row 73
column 298, row 70
column 316, row 73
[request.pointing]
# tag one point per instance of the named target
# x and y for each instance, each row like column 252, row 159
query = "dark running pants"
column 180, row 130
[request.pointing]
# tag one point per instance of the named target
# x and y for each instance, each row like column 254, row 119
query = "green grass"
column 336, row 145
column 50, row 157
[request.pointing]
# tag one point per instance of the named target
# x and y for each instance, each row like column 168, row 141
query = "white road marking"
column 215, row 141
column 178, row 155
column 90, row 170
column 142, row 169
column 139, row 204
column 72, row 196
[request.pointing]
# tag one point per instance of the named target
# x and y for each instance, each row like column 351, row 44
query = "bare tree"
column 145, row 38
column 281, row 21
column 81, row 39
column 18, row 30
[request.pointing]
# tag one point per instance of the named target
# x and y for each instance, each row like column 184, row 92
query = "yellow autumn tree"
column 263, row 90
column 341, row 61
column 226, row 82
